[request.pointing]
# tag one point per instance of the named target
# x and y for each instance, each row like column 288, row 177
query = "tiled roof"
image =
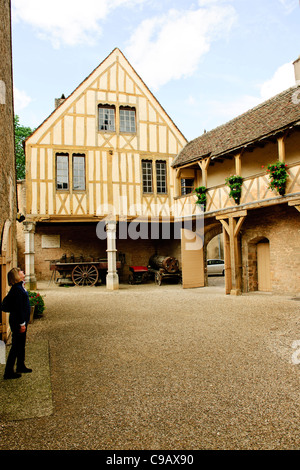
column 279, row 112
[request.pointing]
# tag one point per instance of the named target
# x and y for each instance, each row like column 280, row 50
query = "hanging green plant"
column 278, row 176
column 201, row 194
column 235, row 184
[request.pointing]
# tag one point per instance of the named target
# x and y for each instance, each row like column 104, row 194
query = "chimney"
column 297, row 70
column 59, row 101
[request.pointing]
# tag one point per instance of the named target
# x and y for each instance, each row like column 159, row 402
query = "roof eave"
column 238, row 149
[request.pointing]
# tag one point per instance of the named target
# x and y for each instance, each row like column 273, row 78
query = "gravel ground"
column 162, row 368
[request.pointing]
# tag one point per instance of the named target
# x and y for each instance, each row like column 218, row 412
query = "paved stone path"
column 159, row 368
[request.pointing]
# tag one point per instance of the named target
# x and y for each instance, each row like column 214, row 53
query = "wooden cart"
column 164, row 267
column 138, row 274
column 79, row 271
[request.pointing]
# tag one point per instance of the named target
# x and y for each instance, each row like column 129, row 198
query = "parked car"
column 215, row 266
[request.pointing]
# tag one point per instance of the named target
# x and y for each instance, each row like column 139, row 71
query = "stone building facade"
column 104, row 153
column 261, row 230
column 8, row 200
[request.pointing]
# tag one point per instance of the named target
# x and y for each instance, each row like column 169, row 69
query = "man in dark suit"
column 17, row 303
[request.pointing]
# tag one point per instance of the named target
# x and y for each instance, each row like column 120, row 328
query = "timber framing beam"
column 296, row 204
column 204, row 164
column 232, row 224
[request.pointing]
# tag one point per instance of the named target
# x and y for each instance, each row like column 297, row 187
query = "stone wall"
column 7, row 167
column 81, row 239
column 280, row 225
column 8, row 205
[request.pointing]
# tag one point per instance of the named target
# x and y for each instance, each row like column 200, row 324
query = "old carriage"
column 79, row 270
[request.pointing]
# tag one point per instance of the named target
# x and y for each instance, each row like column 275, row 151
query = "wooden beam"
column 295, row 203
column 239, row 226
column 204, row 164
column 238, row 166
column 232, row 214
column 226, row 241
column 281, row 149
column 232, row 224
column 178, row 171
column 225, row 225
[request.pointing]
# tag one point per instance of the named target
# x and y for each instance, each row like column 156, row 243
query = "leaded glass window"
column 161, row 177
column 127, row 119
column 147, row 176
column 107, row 118
column 62, row 172
column 79, row 172
column 187, row 186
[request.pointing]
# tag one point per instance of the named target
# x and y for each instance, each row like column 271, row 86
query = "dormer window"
column 107, row 118
column 127, row 119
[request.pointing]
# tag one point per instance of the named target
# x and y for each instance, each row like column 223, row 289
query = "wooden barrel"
column 168, row 263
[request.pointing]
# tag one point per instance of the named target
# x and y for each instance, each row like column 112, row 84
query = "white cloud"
column 66, row 21
column 289, row 5
column 283, row 78
column 225, row 111
column 21, row 100
column 171, row 46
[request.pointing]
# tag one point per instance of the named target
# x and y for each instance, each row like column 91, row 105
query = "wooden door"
column 263, row 267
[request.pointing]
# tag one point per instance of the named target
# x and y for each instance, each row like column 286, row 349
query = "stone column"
column 30, row 279
column 112, row 278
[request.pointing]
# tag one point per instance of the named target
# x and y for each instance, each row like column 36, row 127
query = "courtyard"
column 157, row 368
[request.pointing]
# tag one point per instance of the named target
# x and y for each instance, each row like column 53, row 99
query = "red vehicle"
column 138, row 274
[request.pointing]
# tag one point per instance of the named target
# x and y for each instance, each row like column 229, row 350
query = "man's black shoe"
column 24, row 370
column 12, row 375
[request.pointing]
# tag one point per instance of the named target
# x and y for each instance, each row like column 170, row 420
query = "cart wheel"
column 158, row 279
column 131, row 279
column 85, row 275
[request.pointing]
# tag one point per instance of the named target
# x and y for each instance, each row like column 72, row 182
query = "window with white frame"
column 147, row 176
column 127, row 119
column 62, row 171
column 106, row 116
column 79, row 172
column 161, row 177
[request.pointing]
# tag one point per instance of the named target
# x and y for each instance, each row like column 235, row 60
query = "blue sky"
column 206, row 61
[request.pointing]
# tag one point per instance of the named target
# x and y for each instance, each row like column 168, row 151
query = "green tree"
column 21, row 133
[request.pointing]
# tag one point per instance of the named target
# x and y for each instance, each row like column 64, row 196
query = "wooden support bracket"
column 204, row 164
column 232, row 224
column 295, row 203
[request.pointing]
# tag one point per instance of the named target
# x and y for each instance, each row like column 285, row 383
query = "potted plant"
column 278, row 176
column 235, row 184
column 37, row 302
column 201, row 194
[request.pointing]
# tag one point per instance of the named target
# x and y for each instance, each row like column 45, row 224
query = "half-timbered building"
column 105, row 153
column 261, row 230
column 109, row 152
